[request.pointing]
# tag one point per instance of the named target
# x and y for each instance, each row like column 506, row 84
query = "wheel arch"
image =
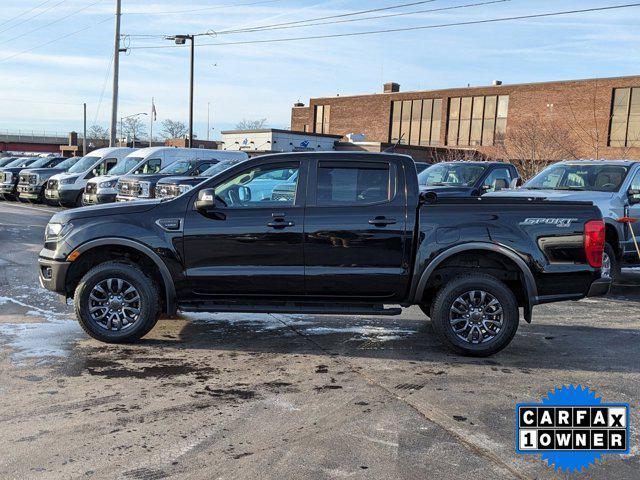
column 527, row 278
column 161, row 272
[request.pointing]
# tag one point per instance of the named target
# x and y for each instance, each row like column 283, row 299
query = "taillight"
column 594, row 235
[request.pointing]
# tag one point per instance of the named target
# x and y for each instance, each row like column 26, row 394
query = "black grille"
column 52, row 185
column 29, row 179
column 167, row 191
column 129, row 189
column 91, row 188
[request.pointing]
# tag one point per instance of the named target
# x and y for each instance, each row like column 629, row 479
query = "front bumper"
column 53, row 274
column 122, row 198
column 599, row 287
column 7, row 188
column 96, row 198
column 66, row 196
column 30, row 192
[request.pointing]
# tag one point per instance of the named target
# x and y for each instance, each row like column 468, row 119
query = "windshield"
column 178, row 168
column 43, row 162
column 21, row 162
column 125, row 165
column 220, row 167
column 448, row 174
column 84, row 164
column 6, row 161
column 68, row 162
column 595, row 178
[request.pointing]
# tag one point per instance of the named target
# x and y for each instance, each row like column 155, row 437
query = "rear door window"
column 354, row 183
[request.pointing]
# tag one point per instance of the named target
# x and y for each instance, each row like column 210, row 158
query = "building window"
column 625, row 118
column 475, row 121
column 416, row 122
column 322, row 118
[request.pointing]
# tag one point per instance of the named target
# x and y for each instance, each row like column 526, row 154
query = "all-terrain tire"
column 458, row 287
column 149, row 302
column 615, row 264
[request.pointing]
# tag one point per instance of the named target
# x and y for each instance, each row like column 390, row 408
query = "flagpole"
column 151, row 125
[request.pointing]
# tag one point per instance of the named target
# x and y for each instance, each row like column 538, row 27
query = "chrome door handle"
column 280, row 224
column 382, row 221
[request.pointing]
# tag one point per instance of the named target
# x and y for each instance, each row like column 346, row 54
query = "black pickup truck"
column 357, row 237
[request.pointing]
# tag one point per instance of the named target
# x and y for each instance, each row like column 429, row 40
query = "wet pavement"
column 287, row 396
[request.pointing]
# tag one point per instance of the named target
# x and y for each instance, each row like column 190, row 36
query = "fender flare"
column 527, row 275
column 167, row 279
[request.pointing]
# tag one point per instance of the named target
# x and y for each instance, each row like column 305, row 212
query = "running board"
column 316, row 309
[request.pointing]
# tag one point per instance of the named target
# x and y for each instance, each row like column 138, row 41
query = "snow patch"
column 39, row 340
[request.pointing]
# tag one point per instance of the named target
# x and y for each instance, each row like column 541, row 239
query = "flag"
column 154, row 113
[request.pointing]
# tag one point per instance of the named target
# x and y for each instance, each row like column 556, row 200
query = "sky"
column 56, row 55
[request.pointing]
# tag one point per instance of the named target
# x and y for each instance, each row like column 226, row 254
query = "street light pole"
column 181, row 40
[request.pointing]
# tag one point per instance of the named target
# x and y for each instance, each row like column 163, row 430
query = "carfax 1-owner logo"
column 571, row 428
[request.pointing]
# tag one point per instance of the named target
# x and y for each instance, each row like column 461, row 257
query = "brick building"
column 595, row 118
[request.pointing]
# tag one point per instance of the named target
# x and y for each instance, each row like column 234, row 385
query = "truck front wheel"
column 116, row 303
column 475, row 315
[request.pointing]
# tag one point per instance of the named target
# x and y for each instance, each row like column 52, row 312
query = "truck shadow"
column 582, row 336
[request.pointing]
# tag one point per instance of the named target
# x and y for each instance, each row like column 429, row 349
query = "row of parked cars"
column 124, row 174
column 110, row 174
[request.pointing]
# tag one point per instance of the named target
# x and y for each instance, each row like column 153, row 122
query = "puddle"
column 261, row 321
column 38, row 340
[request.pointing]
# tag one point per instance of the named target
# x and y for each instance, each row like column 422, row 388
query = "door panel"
column 250, row 246
column 355, row 230
column 634, row 212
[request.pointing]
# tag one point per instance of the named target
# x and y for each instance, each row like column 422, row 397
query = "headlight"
column 56, row 231
column 7, row 177
column 184, row 188
column 109, row 184
column 145, row 187
column 68, row 181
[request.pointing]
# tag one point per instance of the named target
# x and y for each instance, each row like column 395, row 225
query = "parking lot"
column 238, row 395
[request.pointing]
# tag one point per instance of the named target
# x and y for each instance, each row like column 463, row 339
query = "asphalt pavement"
column 288, row 396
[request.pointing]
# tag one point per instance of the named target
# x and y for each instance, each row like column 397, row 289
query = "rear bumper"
column 53, row 274
column 599, row 287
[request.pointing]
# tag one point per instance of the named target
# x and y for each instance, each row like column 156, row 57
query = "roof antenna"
column 393, row 147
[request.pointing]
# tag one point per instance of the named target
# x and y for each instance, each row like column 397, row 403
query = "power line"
column 342, row 15
column 104, row 88
column 405, row 29
column 24, row 13
column 374, row 17
column 66, row 35
column 33, row 16
column 217, row 7
column 75, row 12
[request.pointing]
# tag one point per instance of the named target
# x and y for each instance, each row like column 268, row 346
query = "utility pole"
column 193, row 43
column 84, row 134
column 208, row 119
column 116, row 72
column 151, row 120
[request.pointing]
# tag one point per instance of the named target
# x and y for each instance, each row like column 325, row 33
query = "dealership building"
column 594, row 118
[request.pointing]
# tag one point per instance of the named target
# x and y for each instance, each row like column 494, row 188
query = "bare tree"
column 535, row 142
column 173, row 129
column 134, row 128
column 251, row 124
column 96, row 132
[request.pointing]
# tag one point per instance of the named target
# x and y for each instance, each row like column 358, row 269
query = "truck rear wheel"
column 610, row 264
column 475, row 315
column 116, row 303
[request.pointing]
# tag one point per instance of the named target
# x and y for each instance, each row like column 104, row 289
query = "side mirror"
column 634, row 196
column 206, row 200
